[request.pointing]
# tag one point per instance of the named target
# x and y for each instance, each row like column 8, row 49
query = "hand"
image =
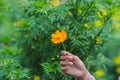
column 72, row 65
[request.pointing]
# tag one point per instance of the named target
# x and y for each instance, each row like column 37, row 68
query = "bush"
column 42, row 28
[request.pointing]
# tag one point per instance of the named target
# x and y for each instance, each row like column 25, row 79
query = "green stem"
column 86, row 11
column 77, row 7
column 64, row 46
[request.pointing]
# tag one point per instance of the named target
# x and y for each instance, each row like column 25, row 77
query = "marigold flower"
column 117, row 60
column 58, row 37
column 97, row 23
column 99, row 72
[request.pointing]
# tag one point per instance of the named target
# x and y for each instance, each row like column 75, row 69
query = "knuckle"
column 63, row 68
column 76, row 57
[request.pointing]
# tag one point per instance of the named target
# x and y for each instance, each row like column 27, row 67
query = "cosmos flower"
column 58, row 36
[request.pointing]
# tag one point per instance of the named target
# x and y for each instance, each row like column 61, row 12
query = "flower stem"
column 64, row 46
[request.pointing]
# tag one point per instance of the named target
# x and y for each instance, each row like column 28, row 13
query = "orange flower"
column 58, row 37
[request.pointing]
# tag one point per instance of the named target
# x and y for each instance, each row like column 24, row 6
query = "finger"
column 76, row 59
column 64, row 63
column 64, row 53
column 68, row 58
column 64, row 68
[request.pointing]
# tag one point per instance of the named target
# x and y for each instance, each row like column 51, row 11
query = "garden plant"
column 34, row 32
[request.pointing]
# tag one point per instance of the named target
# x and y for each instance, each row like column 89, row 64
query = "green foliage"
column 10, row 67
column 53, row 70
column 12, row 70
column 27, row 49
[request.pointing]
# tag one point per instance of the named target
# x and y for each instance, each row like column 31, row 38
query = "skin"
column 72, row 65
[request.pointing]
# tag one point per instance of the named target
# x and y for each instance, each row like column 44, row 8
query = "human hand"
column 72, row 65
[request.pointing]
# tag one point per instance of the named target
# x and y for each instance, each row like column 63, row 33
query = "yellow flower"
column 53, row 59
column 99, row 72
column 98, row 41
column 55, row 2
column 18, row 23
column 87, row 26
column 36, row 78
column 102, row 14
column 57, row 56
column 118, row 70
column 97, row 23
column 117, row 60
column 99, row 14
column 58, row 37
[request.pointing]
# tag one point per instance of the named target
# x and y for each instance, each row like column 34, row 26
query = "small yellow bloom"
column 53, row 59
column 55, row 2
column 102, row 14
column 87, row 26
column 36, row 78
column 99, row 72
column 98, row 41
column 57, row 56
column 99, row 14
column 118, row 70
column 117, row 60
column 97, row 23
column 18, row 23
column 58, row 37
